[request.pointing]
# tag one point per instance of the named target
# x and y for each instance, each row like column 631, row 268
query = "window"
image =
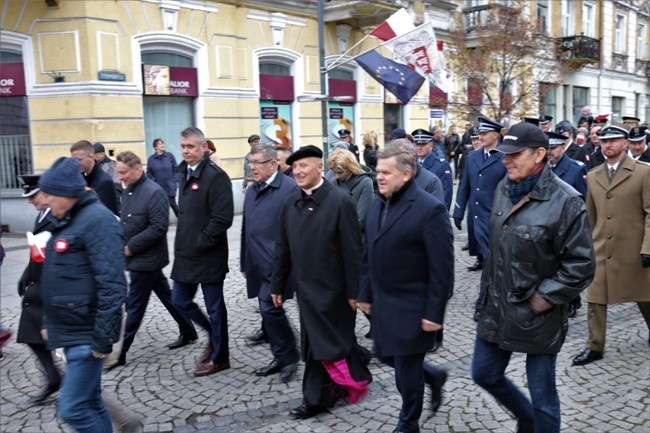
column 617, row 108
column 567, row 19
column 580, row 99
column 393, row 119
column 542, row 16
column 547, row 100
column 474, row 3
column 15, row 142
column 641, row 42
column 588, row 20
column 619, row 35
column 270, row 68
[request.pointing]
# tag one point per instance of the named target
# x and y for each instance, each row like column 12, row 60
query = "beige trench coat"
column 619, row 215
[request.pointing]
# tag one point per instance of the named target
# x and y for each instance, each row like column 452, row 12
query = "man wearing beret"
column 84, row 287
column 618, row 204
column 319, row 241
column 540, row 257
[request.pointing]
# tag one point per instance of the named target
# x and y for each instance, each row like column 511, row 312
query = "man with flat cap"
column 346, row 136
column 618, row 204
column 84, row 287
column 545, row 122
column 483, row 171
column 319, row 241
column 540, row 258
column 29, row 289
column 637, row 139
column 439, row 166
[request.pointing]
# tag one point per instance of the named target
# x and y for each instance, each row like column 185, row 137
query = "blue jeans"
column 217, row 323
column 80, row 402
column 543, row 409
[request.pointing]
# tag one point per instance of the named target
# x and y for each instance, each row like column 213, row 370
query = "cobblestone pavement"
column 611, row 395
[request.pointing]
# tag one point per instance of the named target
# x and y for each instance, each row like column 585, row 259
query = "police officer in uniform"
column 346, row 136
column 637, row 139
column 439, row 166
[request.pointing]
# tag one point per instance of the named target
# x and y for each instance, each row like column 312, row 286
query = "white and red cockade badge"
column 61, row 245
column 195, row 187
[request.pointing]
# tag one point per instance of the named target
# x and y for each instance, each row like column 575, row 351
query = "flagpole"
column 323, row 81
column 334, row 63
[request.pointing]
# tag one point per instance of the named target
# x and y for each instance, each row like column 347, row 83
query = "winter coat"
column 145, row 218
column 441, row 168
column 572, row 172
column 206, row 212
column 359, row 187
column 83, row 279
column 408, row 269
column 619, row 215
column 100, row 182
column 29, row 288
column 319, row 240
column 542, row 244
column 259, row 230
column 162, row 170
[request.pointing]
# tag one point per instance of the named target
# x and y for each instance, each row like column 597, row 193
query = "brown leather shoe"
column 205, row 355
column 211, row 367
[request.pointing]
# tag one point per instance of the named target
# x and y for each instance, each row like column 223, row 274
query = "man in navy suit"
column 439, row 166
column 482, row 173
column 407, row 275
column 262, row 204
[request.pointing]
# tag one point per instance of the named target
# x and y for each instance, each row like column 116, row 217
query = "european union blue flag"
column 398, row 79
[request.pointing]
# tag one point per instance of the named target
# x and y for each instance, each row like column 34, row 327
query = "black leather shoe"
column 465, row 247
column 45, row 393
column 183, row 340
column 304, row 412
column 436, row 390
column 257, row 338
column 276, row 366
column 587, row 357
column 477, row 266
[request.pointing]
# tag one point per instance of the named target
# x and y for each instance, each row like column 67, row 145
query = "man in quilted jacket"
column 84, row 286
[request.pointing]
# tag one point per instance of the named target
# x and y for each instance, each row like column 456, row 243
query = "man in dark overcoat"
column 29, row 288
column 262, row 204
column 408, row 274
column 319, row 241
column 96, row 178
column 201, row 247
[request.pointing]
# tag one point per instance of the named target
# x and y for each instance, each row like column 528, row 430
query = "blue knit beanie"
column 63, row 179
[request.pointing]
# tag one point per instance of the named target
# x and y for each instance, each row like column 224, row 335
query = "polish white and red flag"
column 396, row 25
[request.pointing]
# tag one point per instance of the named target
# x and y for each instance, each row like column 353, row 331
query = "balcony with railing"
column 642, row 67
column 619, row 62
column 577, row 51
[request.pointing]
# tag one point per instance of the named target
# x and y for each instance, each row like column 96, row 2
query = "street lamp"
column 323, row 78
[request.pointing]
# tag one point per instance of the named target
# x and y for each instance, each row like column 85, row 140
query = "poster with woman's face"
column 339, row 117
column 156, row 80
column 275, row 125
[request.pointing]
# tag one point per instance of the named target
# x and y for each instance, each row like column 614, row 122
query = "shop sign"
column 170, row 80
column 12, row 79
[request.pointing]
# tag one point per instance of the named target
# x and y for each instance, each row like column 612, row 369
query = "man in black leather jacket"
column 540, row 257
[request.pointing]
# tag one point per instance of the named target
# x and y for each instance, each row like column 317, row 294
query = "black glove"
column 458, row 222
column 21, row 289
column 645, row 260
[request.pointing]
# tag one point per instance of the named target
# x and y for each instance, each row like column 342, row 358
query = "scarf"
column 517, row 190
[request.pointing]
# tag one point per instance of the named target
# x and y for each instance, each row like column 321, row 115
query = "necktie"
column 485, row 156
column 612, row 173
column 189, row 173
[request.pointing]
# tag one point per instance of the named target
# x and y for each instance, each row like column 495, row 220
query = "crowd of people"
column 545, row 221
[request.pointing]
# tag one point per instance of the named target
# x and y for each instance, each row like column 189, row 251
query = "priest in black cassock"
column 320, row 243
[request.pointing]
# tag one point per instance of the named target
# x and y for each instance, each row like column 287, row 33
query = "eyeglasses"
column 258, row 163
